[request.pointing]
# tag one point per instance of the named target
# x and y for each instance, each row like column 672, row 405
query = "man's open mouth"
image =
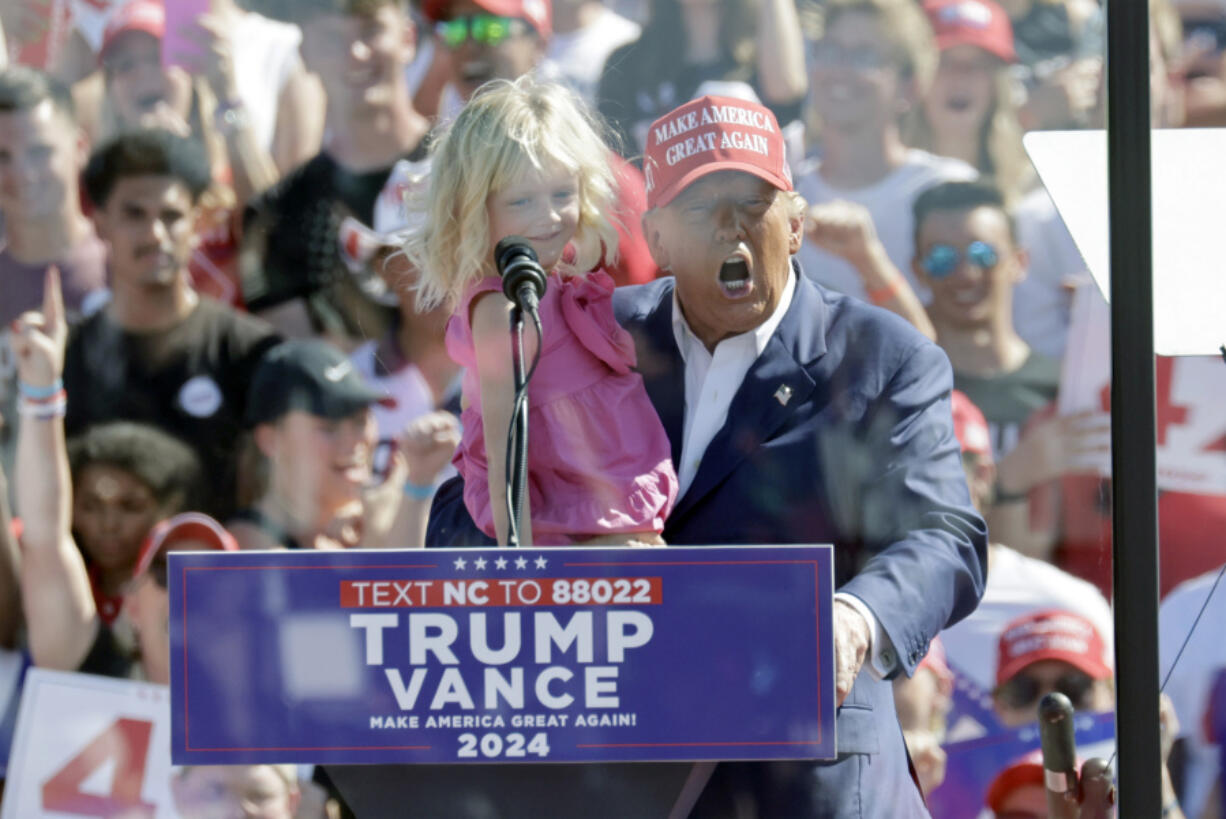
column 734, row 277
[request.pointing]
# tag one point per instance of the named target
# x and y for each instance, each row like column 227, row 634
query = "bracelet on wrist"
column 417, row 491
column 1002, row 495
column 231, row 117
column 886, row 293
column 45, row 410
column 37, row 393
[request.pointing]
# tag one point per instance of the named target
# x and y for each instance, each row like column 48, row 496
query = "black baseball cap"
column 311, row 376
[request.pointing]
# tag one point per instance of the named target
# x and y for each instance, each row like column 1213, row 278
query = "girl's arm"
column 492, row 342
column 61, row 617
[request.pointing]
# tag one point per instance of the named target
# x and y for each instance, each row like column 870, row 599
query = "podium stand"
column 591, row 791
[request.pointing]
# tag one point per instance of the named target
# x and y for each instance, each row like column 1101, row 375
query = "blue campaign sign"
column 502, row 655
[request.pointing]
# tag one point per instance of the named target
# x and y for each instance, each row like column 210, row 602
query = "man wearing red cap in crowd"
column 795, row 416
column 1050, row 651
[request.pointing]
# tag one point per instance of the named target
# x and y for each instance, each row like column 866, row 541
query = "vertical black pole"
column 1134, row 489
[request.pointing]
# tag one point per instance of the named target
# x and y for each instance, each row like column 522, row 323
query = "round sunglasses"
column 1023, row 691
column 484, row 29
column 943, row 259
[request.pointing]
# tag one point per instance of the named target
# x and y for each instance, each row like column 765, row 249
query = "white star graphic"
column 521, row 563
column 541, row 562
column 500, row 563
column 479, row 564
column 460, row 563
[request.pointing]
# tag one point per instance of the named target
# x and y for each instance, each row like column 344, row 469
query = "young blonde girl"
column 524, row 158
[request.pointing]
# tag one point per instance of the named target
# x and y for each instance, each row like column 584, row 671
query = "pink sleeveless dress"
column 599, row 460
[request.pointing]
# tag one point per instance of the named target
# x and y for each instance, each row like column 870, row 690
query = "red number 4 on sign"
column 126, row 741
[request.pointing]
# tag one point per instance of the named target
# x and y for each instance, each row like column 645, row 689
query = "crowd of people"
column 247, row 301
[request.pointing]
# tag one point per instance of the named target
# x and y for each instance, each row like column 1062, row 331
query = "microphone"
column 523, row 279
column 1059, row 754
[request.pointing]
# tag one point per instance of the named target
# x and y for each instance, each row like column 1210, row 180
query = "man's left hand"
column 851, row 644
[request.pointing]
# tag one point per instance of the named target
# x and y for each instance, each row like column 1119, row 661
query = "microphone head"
column 1056, row 733
column 510, row 247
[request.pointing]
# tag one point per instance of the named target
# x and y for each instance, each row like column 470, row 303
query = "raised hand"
column 39, row 338
column 428, row 443
column 844, row 229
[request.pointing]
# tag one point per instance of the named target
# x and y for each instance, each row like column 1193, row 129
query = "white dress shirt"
column 712, row 378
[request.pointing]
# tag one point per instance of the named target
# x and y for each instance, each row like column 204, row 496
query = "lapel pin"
column 783, row 395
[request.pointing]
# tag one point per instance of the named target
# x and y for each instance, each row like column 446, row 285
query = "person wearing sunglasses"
column 488, row 40
column 968, row 257
column 1045, row 652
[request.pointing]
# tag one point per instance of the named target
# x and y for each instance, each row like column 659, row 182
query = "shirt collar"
column 759, row 336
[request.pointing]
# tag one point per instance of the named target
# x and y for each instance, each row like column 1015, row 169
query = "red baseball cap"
column 1025, row 770
column 980, row 23
column 537, row 12
column 148, row 16
column 1051, row 635
column 712, row 134
column 199, row 529
column 970, row 426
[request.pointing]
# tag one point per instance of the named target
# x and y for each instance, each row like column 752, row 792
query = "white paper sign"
column 1189, row 393
column 90, row 746
column 1188, row 201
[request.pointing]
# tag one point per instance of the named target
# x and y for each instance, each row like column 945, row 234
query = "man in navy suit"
column 795, row 416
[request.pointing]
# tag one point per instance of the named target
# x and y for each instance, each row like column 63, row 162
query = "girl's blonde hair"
column 507, row 129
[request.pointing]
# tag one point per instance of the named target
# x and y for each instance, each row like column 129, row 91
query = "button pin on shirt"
column 783, row 395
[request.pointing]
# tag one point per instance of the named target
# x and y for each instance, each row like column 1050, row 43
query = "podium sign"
column 502, row 655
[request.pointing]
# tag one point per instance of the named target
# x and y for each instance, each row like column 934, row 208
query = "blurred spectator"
column 292, row 271
column 1191, row 687
column 64, row 628
column 1047, row 651
column 475, row 61
column 966, row 252
column 585, row 33
column 42, row 152
column 686, row 44
column 160, row 353
column 1017, row 585
column 232, row 78
column 489, row 40
column 409, row 364
column 1060, row 651
column 969, row 113
column 139, row 90
column 125, row 478
column 1203, row 60
column 923, row 701
column 247, row 791
column 1169, row 69
column 1019, row 791
column 870, row 67
column 1060, row 60
column 311, row 420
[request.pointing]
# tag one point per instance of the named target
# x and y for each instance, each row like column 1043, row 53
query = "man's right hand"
column 39, row 338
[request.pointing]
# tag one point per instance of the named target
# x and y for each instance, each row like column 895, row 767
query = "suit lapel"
column 774, row 388
column 663, row 371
